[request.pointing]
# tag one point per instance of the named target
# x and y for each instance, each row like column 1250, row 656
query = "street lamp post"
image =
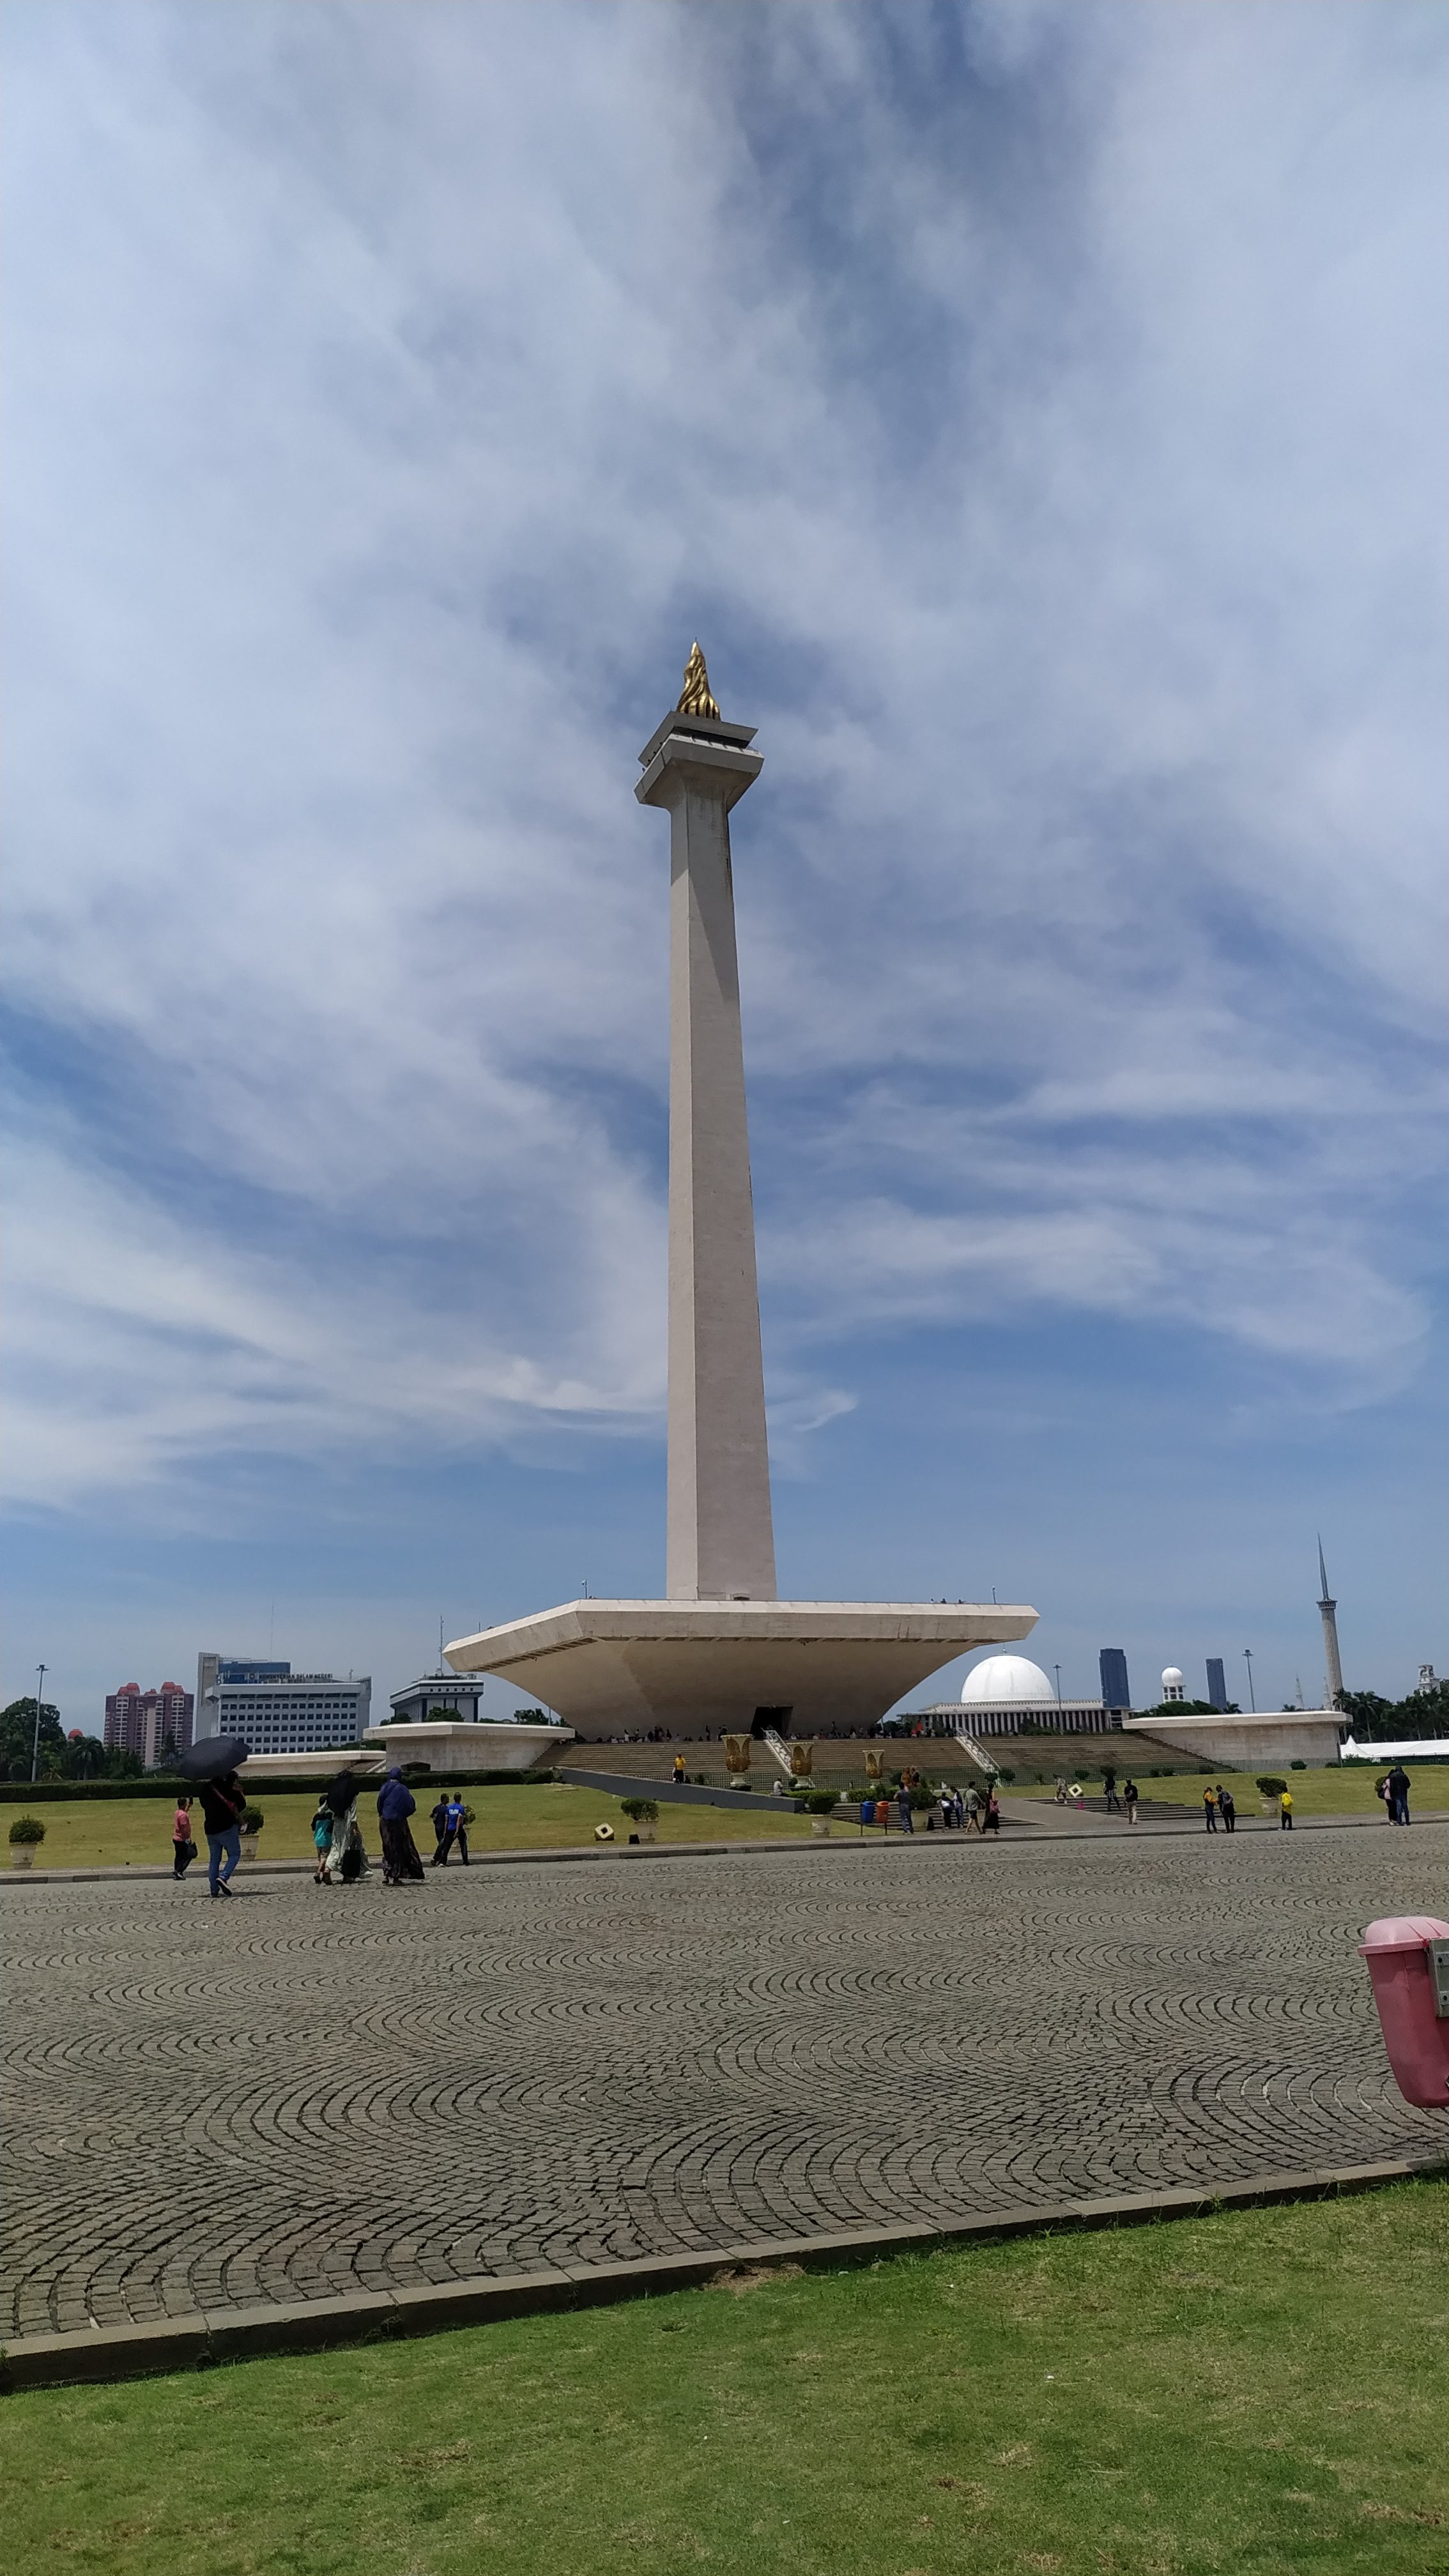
column 35, row 1739
column 1248, row 1660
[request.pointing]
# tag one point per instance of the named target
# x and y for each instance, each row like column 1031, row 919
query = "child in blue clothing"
column 321, row 1841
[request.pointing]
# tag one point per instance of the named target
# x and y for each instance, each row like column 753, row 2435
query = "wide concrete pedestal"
column 443, row 1745
column 614, row 1668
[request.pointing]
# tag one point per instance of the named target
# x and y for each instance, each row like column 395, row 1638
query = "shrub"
column 1006, row 1775
column 27, row 1829
column 1270, row 1786
column 821, row 1802
column 1297, row 1766
column 641, row 1811
column 252, row 1820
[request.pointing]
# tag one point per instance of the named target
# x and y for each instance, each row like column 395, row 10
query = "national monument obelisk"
column 720, row 1542
column 720, row 1650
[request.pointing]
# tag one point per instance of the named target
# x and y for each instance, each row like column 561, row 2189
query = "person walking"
column 321, row 1841
column 395, row 1803
column 458, row 1826
column 1210, row 1811
column 903, row 1809
column 1227, row 1811
column 1109, row 1787
column 1129, row 1800
column 183, row 1849
column 439, row 1822
column 947, row 1806
column 958, row 1804
column 1285, row 1811
column 222, row 1805
column 679, row 1770
column 973, row 1809
column 1397, row 1787
column 992, row 1824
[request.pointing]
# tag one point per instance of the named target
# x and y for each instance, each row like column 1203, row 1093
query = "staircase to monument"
column 775, row 1744
column 977, row 1752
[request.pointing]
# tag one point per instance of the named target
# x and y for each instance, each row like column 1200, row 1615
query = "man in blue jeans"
column 222, row 1803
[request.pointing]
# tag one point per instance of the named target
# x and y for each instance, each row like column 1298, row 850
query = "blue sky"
column 1037, row 410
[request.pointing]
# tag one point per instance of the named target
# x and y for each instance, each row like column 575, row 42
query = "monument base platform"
column 467, row 1744
column 613, row 1668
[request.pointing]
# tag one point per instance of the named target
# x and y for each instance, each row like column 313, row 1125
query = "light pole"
column 35, row 1739
column 1248, row 1660
column 1056, row 1668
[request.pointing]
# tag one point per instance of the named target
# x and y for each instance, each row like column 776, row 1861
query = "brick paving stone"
column 315, row 2093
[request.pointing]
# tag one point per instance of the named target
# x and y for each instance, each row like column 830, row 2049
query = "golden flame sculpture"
column 737, row 1753
column 694, row 697
column 802, row 1761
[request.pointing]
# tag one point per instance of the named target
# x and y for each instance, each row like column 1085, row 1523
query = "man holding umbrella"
column 212, row 1763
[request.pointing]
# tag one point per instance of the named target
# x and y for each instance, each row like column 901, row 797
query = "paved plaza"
column 306, row 2092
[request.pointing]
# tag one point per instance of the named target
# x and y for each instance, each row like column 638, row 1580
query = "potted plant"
column 252, row 1821
column 1270, row 1790
column 822, row 1804
column 25, row 1833
column 643, row 1814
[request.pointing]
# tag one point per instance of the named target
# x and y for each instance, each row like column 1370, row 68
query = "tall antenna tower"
column 1328, row 1613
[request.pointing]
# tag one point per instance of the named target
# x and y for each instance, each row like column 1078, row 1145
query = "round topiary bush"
column 1270, row 1786
column 822, row 1802
column 27, row 1829
column 251, row 1820
column 641, row 1811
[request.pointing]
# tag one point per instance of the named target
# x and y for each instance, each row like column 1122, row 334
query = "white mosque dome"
column 1172, row 1678
column 1007, row 1681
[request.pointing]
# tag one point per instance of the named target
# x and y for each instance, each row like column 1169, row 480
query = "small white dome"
column 1172, row 1678
column 1007, row 1681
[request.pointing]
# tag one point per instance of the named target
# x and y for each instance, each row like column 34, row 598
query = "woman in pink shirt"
column 183, row 1848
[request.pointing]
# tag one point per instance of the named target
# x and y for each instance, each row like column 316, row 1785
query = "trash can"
column 1411, row 1990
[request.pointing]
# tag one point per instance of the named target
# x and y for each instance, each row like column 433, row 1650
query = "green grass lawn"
column 1256, row 2394
column 86, row 1832
column 1347, row 1790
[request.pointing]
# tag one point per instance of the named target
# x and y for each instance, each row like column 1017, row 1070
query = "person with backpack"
column 1396, row 1788
column 1227, row 1810
column 1129, row 1800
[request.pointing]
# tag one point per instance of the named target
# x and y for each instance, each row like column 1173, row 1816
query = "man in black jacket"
column 222, row 1805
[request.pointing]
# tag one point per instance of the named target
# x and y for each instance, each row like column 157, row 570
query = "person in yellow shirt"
column 1285, row 1811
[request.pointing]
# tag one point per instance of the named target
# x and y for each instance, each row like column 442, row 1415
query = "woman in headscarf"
column 395, row 1803
column 346, row 1858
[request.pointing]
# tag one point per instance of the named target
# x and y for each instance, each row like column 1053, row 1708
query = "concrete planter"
column 820, row 1827
column 249, row 1847
column 21, row 1855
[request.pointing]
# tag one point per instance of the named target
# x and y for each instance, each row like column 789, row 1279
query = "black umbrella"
column 211, row 1757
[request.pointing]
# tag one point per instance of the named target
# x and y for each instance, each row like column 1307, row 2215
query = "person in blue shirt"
column 395, row 1803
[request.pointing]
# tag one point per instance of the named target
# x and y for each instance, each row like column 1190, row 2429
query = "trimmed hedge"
column 24, row 1793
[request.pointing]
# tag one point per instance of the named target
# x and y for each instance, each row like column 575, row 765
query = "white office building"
column 278, row 1711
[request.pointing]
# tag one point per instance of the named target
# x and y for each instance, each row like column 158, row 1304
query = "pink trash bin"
column 1415, row 2034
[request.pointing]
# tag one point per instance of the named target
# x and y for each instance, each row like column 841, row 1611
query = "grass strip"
column 1256, row 2393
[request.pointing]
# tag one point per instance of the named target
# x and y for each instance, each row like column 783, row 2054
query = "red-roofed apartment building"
column 140, row 1721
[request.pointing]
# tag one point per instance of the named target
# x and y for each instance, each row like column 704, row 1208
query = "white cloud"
column 1047, row 466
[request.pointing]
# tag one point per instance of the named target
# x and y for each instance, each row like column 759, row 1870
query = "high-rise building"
column 1217, row 1686
column 1112, row 1665
column 276, row 1710
column 146, row 1722
column 1328, row 1613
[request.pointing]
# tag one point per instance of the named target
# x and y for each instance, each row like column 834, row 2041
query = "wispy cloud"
column 1037, row 411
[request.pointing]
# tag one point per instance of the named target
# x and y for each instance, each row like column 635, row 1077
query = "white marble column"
column 720, row 1536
